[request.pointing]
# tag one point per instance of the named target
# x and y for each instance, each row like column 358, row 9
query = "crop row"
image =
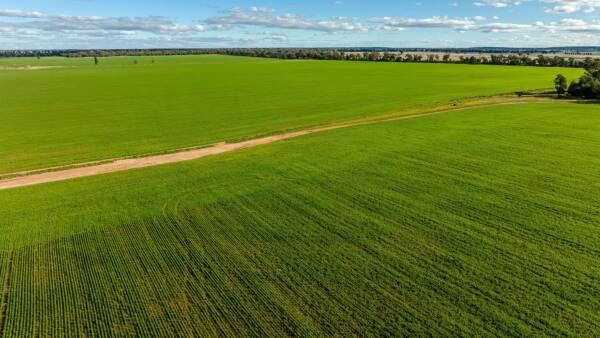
column 304, row 263
column 480, row 223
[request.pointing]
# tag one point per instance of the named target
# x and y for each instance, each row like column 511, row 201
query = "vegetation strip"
column 6, row 293
column 142, row 162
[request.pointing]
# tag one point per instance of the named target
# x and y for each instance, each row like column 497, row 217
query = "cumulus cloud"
column 16, row 13
column 53, row 23
column 433, row 22
column 477, row 24
column 564, row 26
column 578, row 26
column 504, row 27
column 571, row 6
column 264, row 18
column 497, row 3
column 557, row 6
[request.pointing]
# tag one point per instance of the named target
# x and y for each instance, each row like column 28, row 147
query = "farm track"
column 6, row 293
column 102, row 167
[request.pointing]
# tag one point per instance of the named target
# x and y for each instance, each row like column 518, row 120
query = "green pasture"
column 77, row 112
column 482, row 222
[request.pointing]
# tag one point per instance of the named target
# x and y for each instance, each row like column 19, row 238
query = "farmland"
column 480, row 222
column 58, row 111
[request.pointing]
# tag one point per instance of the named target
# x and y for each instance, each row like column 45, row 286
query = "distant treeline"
column 359, row 54
column 493, row 59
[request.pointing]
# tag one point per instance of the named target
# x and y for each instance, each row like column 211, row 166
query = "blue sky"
column 37, row 24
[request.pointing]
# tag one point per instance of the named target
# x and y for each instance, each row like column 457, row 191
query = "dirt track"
column 134, row 163
column 27, row 68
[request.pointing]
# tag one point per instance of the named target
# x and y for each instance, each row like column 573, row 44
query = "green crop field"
column 482, row 222
column 58, row 111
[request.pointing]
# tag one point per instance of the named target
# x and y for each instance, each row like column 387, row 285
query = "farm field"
column 59, row 111
column 481, row 222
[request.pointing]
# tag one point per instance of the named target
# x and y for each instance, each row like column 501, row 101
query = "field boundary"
column 121, row 164
column 6, row 293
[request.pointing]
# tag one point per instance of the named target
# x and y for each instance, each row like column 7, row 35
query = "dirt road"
column 134, row 163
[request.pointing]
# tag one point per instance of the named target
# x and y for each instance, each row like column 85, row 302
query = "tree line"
column 511, row 59
column 493, row 59
column 587, row 87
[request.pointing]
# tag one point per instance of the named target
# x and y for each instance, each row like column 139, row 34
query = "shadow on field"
column 553, row 96
column 594, row 101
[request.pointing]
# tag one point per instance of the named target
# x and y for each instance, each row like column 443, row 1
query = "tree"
column 574, row 88
column 588, row 86
column 560, row 83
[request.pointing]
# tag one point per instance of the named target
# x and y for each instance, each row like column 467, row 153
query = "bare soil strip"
column 6, row 293
column 149, row 161
column 27, row 68
column 7, row 176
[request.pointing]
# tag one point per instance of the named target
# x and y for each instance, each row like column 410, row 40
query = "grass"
column 480, row 222
column 81, row 112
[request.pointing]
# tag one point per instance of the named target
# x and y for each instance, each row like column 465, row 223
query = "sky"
column 82, row 24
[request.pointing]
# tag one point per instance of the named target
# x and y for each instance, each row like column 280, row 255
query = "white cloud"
column 503, row 27
column 558, row 6
column 433, row 22
column 497, row 3
column 35, row 21
column 16, row 13
column 578, row 26
column 564, row 26
column 571, row 6
column 250, row 17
